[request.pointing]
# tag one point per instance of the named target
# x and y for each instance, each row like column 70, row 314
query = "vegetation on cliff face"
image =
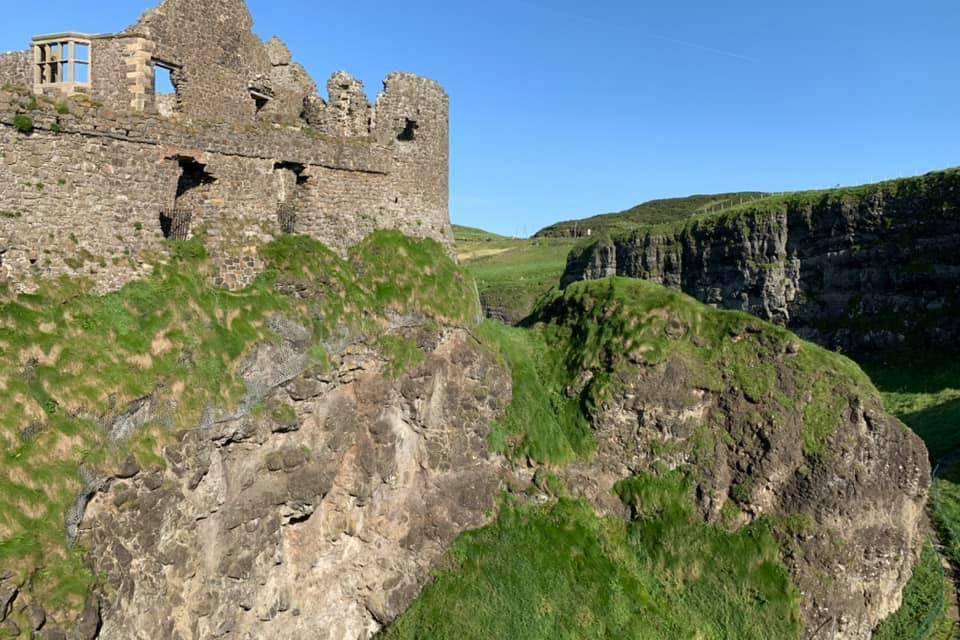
column 652, row 212
column 560, row 571
column 71, row 363
column 564, row 365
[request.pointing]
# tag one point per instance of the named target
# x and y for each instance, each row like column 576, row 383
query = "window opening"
column 192, row 175
column 163, row 80
column 409, row 132
column 260, row 98
column 62, row 61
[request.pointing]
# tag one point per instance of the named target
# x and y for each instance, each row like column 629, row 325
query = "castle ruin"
column 98, row 166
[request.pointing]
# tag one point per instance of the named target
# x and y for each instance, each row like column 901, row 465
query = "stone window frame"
column 45, row 51
column 261, row 97
column 172, row 68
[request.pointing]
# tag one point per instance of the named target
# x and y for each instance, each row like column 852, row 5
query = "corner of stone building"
column 412, row 114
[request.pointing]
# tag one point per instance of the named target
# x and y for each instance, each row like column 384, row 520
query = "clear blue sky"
column 566, row 109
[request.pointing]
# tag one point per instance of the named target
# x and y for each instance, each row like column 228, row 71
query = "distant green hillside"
column 511, row 273
column 653, row 212
column 471, row 234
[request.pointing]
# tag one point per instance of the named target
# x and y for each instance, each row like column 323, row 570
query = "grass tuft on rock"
column 561, row 571
column 70, row 361
column 573, row 355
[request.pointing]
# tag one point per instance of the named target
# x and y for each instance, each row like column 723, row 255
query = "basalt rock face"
column 770, row 427
column 857, row 270
column 317, row 511
column 854, row 517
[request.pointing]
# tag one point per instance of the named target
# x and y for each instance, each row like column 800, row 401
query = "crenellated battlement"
column 92, row 151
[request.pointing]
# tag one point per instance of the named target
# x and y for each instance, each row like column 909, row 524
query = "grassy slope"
column 597, row 326
column 560, row 571
column 512, row 274
column 924, row 392
column 68, row 359
column 653, row 212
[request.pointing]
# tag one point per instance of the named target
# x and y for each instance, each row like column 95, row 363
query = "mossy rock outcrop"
column 643, row 379
column 300, row 455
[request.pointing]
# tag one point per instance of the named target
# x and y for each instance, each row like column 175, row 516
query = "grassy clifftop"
column 653, row 212
column 70, row 363
column 908, row 188
column 512, row 274
column 599, row 326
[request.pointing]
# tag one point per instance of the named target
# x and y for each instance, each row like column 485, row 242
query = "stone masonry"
column 97, row 171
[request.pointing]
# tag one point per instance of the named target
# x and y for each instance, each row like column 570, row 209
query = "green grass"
column 560, row 571
column 67, row 358
column 512, row 274
column 923, row 390
column 925, row 598
column 402, row 354
column 579, row 344
column 648, row 213
column 543, row 422
column 463, row 234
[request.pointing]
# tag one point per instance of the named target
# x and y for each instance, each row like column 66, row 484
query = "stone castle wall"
column 82, row 193
column 16, row 68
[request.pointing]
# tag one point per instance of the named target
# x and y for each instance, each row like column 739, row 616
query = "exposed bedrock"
column 317, row 513
column 858, row 271
column 770, row 427
column 850, row 522
column 320, row 508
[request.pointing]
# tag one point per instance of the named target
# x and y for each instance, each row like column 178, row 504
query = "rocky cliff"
column 318, row 517
column 856, row 269
column 768, row 427
column 295, row 459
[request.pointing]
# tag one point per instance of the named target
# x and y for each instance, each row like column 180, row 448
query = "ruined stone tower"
column 98, row 167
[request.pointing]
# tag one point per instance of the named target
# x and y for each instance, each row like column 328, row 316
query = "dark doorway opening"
column 291, row 179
